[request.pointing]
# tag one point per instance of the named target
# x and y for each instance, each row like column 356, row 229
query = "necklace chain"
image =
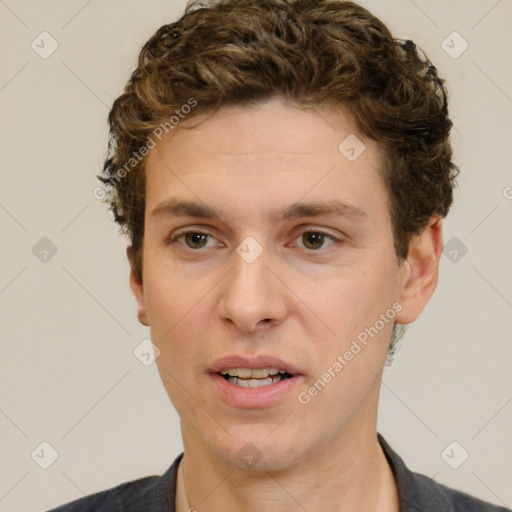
column 189, row 508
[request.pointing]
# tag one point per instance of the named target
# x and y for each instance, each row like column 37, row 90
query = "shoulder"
column 152, row 493
column 436, row 496
column 116, row 498
column 419, row 493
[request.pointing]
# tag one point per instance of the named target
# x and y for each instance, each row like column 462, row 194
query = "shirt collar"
column 416, row 492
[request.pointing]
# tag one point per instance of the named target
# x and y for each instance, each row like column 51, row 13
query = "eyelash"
column 302, row 233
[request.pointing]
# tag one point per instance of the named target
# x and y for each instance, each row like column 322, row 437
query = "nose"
column 253, row 297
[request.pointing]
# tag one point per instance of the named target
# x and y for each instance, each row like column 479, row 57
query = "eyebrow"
column 179, row 208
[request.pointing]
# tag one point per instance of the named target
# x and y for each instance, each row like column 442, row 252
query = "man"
column 282, row 169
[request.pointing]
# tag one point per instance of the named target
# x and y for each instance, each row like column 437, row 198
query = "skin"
column 302, row 304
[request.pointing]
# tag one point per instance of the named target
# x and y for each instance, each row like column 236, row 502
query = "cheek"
column 352, row 301
column 175, row 312
column 171, row 295
column 351, row 360
column 353, row 357
column 176, row 323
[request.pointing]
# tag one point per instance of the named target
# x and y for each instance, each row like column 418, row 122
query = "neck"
column 352, row 476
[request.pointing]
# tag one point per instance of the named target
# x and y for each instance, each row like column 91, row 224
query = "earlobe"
column 420, row 271
column 137, row 289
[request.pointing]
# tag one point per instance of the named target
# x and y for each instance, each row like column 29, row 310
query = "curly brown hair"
column 313, row 54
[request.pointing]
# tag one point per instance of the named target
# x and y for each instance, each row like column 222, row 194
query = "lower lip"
column 254, row 398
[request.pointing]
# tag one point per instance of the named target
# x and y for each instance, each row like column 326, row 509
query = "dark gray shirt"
column 418, row 493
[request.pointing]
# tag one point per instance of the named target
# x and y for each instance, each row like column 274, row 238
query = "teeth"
column 252, row 383
column 255, row 373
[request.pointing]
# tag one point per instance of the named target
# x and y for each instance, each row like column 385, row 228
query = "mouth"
column 254, row 381
column 254, row 377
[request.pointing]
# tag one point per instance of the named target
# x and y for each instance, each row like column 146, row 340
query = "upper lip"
column 260, row 361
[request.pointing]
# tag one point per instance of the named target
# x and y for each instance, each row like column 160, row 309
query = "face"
column 264, row 241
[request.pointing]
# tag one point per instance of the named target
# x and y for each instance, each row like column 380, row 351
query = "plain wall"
column 68, row 325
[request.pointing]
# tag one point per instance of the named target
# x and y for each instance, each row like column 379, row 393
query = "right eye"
column 192, row 239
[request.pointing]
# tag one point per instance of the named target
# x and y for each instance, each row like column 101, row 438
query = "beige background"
column 68, row 325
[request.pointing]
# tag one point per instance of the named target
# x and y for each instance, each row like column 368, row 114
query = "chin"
column 256, row 450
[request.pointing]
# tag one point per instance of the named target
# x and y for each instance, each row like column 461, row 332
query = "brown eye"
column 195, row 240
column 313, row 240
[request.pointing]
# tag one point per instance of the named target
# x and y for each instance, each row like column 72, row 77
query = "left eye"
column 315, row 240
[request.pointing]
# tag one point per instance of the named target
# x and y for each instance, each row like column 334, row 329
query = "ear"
column 137, row 289
column 420, row 271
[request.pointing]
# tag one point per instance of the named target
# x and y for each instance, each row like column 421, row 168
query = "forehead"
column 272, row 149
column 269, row 126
